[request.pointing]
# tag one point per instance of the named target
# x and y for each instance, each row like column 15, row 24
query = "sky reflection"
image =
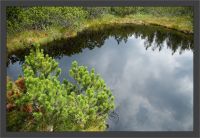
column 153, row 89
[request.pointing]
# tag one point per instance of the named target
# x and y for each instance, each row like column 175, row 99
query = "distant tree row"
column 20, row 18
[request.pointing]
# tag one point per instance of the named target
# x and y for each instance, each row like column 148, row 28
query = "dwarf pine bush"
column 56, row 106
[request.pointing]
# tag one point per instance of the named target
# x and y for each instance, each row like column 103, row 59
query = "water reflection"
column 153, row 88
column 154, row 37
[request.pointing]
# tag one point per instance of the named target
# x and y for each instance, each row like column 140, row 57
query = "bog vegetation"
column 27, row 25
column 21, row 18
column 40, row 102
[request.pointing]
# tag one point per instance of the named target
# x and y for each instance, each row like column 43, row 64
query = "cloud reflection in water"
column 153, row 89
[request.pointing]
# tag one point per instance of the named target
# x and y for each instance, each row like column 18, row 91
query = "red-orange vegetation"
column 28, row 108
column 10, row 106
column 10, row 93
column 20, row 84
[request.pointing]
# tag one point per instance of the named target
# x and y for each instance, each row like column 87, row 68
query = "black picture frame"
column 196, row 61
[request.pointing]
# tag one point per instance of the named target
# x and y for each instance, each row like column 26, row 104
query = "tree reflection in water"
column 154, row 37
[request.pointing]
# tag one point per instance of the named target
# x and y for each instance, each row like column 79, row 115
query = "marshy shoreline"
column 25, row 39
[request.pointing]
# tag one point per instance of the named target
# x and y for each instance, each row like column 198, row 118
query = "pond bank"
column 24, row 39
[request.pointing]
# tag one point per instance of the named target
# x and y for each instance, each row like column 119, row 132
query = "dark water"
column 149, row 70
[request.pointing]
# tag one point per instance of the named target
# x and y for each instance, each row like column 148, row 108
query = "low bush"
column 40, row 102
column 21, row 18
column 26, row 18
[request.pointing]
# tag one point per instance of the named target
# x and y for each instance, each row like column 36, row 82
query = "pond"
column 148, row 68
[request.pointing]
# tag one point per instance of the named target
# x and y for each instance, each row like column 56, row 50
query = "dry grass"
column 178, row 23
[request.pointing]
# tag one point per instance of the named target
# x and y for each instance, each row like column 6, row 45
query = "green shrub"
column 20, row 18
column 123, row 11
column 51, row 105
column 96, row 12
